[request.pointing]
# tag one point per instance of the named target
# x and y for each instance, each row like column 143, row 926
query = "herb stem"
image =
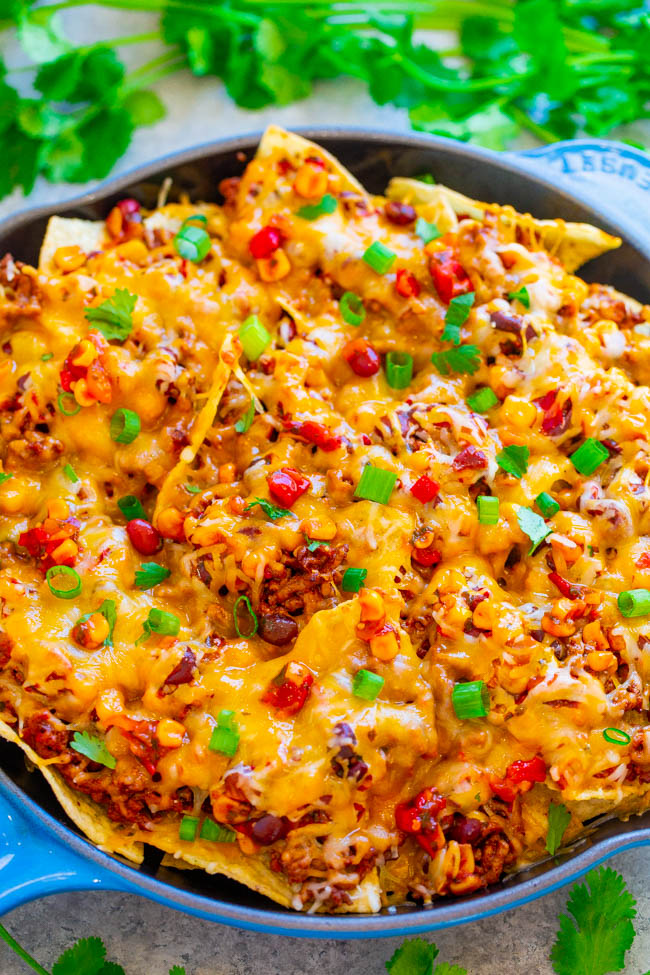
column 456, row 84
column 526, row 122
column 20, row 951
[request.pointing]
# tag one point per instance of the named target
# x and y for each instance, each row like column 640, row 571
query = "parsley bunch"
column 553, row 67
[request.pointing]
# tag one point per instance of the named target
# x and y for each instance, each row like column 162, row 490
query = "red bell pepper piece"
column 449, row 276
column 425, row 489
column 287, row 485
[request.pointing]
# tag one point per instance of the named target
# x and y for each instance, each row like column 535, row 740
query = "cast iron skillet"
column 41, row 852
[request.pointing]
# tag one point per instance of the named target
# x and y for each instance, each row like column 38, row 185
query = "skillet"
column 40, row 851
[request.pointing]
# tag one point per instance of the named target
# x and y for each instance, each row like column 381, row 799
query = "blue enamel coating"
column 39, row 855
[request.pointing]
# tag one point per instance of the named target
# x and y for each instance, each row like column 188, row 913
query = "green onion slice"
column 254, row 337
column 634, row 602
column 160, row 622
column 131, row 508
column 367, row 685
column 192, row 488
column 427, row 231
column 353, row 579
column 471, row 700
column 488, row 509
column 254, row 623
column 327, row 204
column 616, row 736
column 69, row 472
column 47, row 356
column 520, row 295
column 379, row 257
column 215, row 833
column 244, row 423
column 399, row 369
column 63, row 581
column 67, row 404
column 187, row 829
column 352, row 308
column 376, row 484
column 224, row 740
column 588, row 456
column 193, row 243
column 482, row 400
column 456, row 315
column 125, row 426
column 546, row 504
column 198, row 218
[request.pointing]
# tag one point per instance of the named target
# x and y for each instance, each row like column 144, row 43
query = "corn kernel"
column 275, row 267
column 424, row 540
column 311, row 181
column 82, row 394
column 110, row 707
column 204, row 535
column 16, row 499
column 372, row 605
column 384, row 646
column 170, row 523
column 600, row 660
column 64, row 552
column 133, row 250
column 593, row 633
column 482, row 615
column 69, row 258
column 84, row 353
column 321, row 529
column 519, row 412
column 170, row 733
column 227, row 473
column 237, row 504
column 556, row 628
column 58, row 509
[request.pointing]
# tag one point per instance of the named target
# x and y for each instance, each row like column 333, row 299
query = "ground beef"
column 47, row 735
column 306, row 582
column 20, row 289
column 36, row 451
column 5, row 649
column 492, row 858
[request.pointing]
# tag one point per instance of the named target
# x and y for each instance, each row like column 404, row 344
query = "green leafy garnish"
column 559, row 818
column 93, row 748
column 514, row 460
column 427, row 231
column 5, row 477
column 463, row 359
column 534, row 526
column 192, row 488
column 47, row 356
column 269, row 509
column 416, row 957
column 312, row 211
column 243, row 425
column 457, row 315
column 598, row 929
column 150, row 574
column 113, row 316
column 520, row 295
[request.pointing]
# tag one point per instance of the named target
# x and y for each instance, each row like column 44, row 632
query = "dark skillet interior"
column 374, row 158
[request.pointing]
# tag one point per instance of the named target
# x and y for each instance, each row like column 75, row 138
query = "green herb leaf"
column 444, row 968
column 327, row 204
column 93, row 748
column 464, row 359
column 113, row 316
column 559, row 818
column 427, row 231
column 5, row 477
column 269, row 509
column 534, row 526
column 596, row 933
column 111, row 968
column 415, row 957
column 244, row 423
column 514, row 460
column 39, row 32
column 177, row 970
column 457, row 314
column 150, row 574
column 520, row 295
column 144, row 107
column 86, row 957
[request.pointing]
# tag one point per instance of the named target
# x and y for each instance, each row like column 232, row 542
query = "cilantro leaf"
column 243, row 425
column 534, row 526
column 177, row 970
column 39, row 32
column 94, row 749
column 85, row 957
column 463, row 359
column 111, row 968
column 415, row 957
column 559, row 818
column 426, row 231
column 5, row 477
column 457, row 314
column 150, row 574
column 514, row 460
column 520, row 295
column 144, row 107
column 593, row 940
column 444, row 968
column 113, row 316
column 272, row 510
column 327, row 204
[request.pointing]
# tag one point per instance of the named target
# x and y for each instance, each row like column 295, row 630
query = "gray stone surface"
column 145, row 937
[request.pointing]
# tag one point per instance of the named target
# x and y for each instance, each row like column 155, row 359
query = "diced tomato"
column 419, row 818
column 362, row 358
column 530, row 770
column 265, row 242
column 287, row 485
column 144, row 744
column 289, row 691
column 406, row 284
column 503, row 789
column 643, row 562
column 316, row 433
column 99, row 385
column 449, row 276
column 426, row 556
column 34, row 540
column 425, row 489
column 470, row 458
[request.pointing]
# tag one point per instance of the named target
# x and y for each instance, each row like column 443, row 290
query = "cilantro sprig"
column 93, row 748
column 559, row 818
column 534, row 526
column 514, row 460
column 416, row 957
column 271, row 510
column 113, row 316
column 462, row 359
column 552, row 69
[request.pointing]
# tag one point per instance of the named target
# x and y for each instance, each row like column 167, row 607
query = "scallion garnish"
column 376, row 484
column 188, row 828
column 546, row 504
column 69, row 472
column 216, row 833
column 471, row 700
column 616, row 736
column 160, row 622
column 244, row 423
column 225, row 737
column 457, row 314
column 353, row 579
column 254, row 337
column 253, row 618
column 634, row 602
column 367, row 685
column 109, row 612
column 399, row 369
column 352, row 308
column 520, row 295
column 192, row 488
column 488, row 509
column 482, row 400
column 588, row 456
column 192, row 243
column 312, row 211
column 5, row 477
column 427, row 231
column 379, row 257
column 67, row 404
column 125, row 426
column 47, row 356
column 68, row 585
column 131, row 507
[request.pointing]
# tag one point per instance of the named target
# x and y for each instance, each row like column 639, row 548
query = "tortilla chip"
column 298, row 149
column 573, row 243
column 89, row 235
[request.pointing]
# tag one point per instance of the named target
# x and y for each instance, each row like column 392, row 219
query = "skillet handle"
column 614, row 176
column 34, row 863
